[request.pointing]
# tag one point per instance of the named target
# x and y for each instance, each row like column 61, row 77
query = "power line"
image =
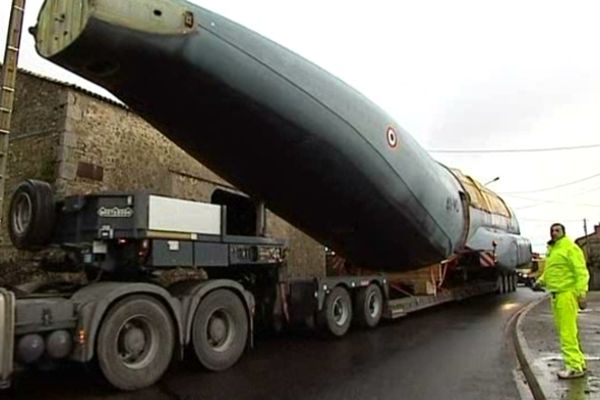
column 594, row 189
column 531, row 205
column 550, row 220
column 558, row 202
column 547, row 201
column 531, row 150
column 587, row 178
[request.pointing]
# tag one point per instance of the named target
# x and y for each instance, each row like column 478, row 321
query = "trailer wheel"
column 368, row 306
column 500, row 284
column 220, row 330
column 336, row 315
column 31, row 215
column 135, row 343
column 509, row 283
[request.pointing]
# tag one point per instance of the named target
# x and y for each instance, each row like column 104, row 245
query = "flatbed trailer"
column 132, row 321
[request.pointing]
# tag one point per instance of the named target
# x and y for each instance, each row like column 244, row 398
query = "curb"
column 524, row 353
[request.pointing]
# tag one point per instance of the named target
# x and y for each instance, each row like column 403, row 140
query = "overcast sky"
column 457, row 75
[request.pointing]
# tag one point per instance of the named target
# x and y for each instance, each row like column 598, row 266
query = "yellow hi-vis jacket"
column 565, row 268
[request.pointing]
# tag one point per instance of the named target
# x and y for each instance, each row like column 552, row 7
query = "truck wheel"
column 135, row 343
column 220, row 330
column 368, row 306
column 499, row 284
column 336, row 315
column 32, row 215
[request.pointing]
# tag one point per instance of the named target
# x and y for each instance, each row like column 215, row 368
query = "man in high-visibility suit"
column 566, row 277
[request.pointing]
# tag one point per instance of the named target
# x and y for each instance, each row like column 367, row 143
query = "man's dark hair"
column 561, row 227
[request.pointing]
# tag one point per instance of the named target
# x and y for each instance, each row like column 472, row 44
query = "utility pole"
column 587, row 240
column 7, row 86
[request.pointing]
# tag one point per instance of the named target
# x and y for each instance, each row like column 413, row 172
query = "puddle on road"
column 587, row 388
column 582, row 389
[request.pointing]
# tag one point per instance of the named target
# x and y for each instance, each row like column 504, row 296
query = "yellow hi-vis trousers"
column 565, row 310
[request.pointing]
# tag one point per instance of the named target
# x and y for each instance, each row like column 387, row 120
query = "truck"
column 132, row 319
column 402, row 231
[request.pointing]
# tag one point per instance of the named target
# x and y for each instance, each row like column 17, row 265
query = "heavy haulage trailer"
column 293, row 137
column 132, row 319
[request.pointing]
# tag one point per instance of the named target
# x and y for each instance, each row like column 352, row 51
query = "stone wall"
column 107, row 147
column 306, row 257
column 37, row 125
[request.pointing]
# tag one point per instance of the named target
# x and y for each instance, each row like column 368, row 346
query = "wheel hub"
column 137, row 342
column 23, row 213
column 217, row 329
column 134, row 341
column 220, row 330
column 373, row 305
column 340, row 312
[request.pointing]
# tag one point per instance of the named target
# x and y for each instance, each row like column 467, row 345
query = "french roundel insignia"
column 392, row 137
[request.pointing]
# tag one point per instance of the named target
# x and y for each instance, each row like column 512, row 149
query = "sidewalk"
column 537, row 345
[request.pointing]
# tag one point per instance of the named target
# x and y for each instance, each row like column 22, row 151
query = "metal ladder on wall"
column 7, row 92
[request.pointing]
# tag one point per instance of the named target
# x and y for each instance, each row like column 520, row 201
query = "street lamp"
column 492, row 181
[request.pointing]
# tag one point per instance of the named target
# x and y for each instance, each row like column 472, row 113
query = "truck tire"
column 336, row 315
column 368, row 306
column 499, row 284
column 135, row 343
column 32, row 215
column 220, row 330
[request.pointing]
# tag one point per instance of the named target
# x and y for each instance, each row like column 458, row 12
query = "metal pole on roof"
column 7, row 89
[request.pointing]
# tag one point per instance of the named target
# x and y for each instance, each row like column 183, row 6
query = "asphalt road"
column 457, row 351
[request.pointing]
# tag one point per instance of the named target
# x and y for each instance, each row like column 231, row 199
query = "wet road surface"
column 457, row 351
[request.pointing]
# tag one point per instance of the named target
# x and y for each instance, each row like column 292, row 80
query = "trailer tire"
column 499, row 284
column 220, row 330
column 368, row 306
column 336, row 315
column 141, row 329
column 32, row 215
column 511, row 286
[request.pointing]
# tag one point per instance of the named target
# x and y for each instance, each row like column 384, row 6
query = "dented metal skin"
column 316, row 151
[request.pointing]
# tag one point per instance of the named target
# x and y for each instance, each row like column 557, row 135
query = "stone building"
column 591, row 248
column 81, row 142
